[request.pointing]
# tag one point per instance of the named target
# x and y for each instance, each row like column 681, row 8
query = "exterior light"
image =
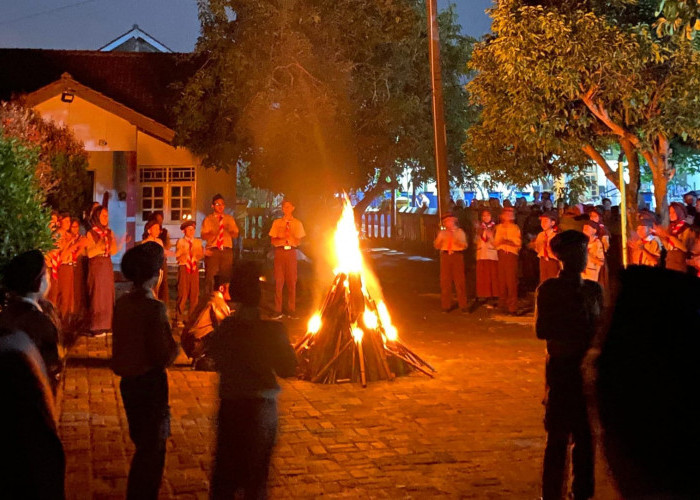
column 67, row 96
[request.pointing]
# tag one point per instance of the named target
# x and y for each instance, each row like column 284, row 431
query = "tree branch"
column 602, row 114
column 598, row 158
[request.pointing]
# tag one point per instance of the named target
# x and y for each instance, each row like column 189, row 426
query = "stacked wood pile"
column 351, row 344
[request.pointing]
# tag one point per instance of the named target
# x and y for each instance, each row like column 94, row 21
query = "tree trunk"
column 632, row 197
column 372, row 194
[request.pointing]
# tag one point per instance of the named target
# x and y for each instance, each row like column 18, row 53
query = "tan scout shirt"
column 596, row 259
column 646, row 252
column 508, row 238
column 543, row 245
column 182, row 250
column 282, row 237
column 210, row 230
column 451, row 241
column 485, row 249
column 97, row 248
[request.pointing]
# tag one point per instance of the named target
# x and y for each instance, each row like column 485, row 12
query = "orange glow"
column 347, row 243
column 389, row 329
column 357, row 334
column 370, row 319
column 314, row 324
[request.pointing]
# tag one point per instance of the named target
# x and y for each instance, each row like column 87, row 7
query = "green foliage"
column 678, row 17
column 321, row 96
column 24, row 221
column 62, row 164
column 559, row 85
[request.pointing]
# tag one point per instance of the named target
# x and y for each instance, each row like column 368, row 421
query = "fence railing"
column 415, row 228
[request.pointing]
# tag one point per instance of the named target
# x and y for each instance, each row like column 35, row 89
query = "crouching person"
column 195, row 336
column 248, row 352
column 142, row 349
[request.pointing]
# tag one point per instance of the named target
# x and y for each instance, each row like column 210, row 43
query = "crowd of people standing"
column 500, row 262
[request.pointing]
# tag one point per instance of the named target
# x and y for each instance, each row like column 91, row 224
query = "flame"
column 357, row 334
column 389, row 329
column 314, row 324
column 370, row 319
column 347, row 243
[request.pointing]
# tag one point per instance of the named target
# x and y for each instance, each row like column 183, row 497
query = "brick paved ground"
column 475, row 431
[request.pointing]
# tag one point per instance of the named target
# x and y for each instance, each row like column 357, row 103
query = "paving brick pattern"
column 474, row 431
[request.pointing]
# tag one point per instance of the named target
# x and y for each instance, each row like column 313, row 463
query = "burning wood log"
column 348, row 317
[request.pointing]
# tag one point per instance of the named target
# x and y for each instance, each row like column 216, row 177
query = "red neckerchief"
column 484, row 227
column 103, row 234
column 677, row 227
column 191, row 263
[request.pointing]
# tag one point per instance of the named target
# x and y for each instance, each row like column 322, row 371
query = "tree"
column 61, row 169
column 322, row 96
column 24, row 220
column 560, row 83
column 678, row 17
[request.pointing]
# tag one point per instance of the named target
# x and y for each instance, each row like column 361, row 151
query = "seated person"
column 203, row 322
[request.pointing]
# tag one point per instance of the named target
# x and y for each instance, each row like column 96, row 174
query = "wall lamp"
column 67, row 96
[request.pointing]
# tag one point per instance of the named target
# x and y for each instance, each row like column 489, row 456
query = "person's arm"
column 208, row 231
column 284, row 360
column 545, row 306
column 160, row 345
column 232, row 227
column 438, row 240
column 461, row 237
column 180, row 249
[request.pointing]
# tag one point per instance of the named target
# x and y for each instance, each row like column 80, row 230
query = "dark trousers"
column 145, row 400
column 247, row 429
column 220, row 262
column 65, row 301
column 508, row 281
column 452, row 271
column 187, row 291
column 566, row 419
column 286, row 274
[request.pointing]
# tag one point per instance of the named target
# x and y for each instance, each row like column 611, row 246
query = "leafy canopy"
column 61, row 168
column 559, row 85
column 24, row 220
column 320, row 96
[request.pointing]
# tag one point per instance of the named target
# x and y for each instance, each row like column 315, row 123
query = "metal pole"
column 439, row 131
column 623, row 209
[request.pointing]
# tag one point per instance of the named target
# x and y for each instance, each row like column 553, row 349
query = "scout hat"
column 187, row 224
column 551, row 215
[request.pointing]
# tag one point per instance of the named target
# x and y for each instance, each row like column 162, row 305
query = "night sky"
column 90, row 24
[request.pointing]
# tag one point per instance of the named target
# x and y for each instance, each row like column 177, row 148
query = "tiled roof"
column 141, row 81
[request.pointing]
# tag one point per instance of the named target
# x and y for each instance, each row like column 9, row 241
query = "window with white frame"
column 170, row 190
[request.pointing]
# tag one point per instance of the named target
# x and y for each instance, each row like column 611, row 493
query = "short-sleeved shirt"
column 210, row 230
column 508, row 238
column 292, row 231
column 451, row 241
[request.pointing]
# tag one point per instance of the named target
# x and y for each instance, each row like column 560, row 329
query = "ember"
column 351, row 338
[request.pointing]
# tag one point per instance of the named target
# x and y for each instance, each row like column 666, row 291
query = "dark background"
column 90, row 24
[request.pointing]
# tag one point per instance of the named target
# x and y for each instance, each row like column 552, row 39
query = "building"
column 135, row 40
column 119, row 105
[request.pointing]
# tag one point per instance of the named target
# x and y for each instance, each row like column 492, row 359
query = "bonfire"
column 351, row 337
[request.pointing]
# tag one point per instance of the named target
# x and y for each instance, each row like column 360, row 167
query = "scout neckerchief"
column 106, row 235
column 450, row 242
column 484, row 227
column 191, row 263
column 220, row 236
column 55, row 261
column 675, row 229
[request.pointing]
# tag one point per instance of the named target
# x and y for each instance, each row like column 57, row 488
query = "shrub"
column 24, row 219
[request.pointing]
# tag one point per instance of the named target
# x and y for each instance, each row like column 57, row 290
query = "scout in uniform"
column 508, row 240
column 646, row 249
column 70, row 246
column 596, row 216
column 549, row 264
column 678, row 238
column 486, row 259
column 152, row 232
column 452, row 242
column 218, row 230
column 188, row 253
column 596, row 253
column 566, row 316
column 285, row 235
column 101, row 245
column 53, row 257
